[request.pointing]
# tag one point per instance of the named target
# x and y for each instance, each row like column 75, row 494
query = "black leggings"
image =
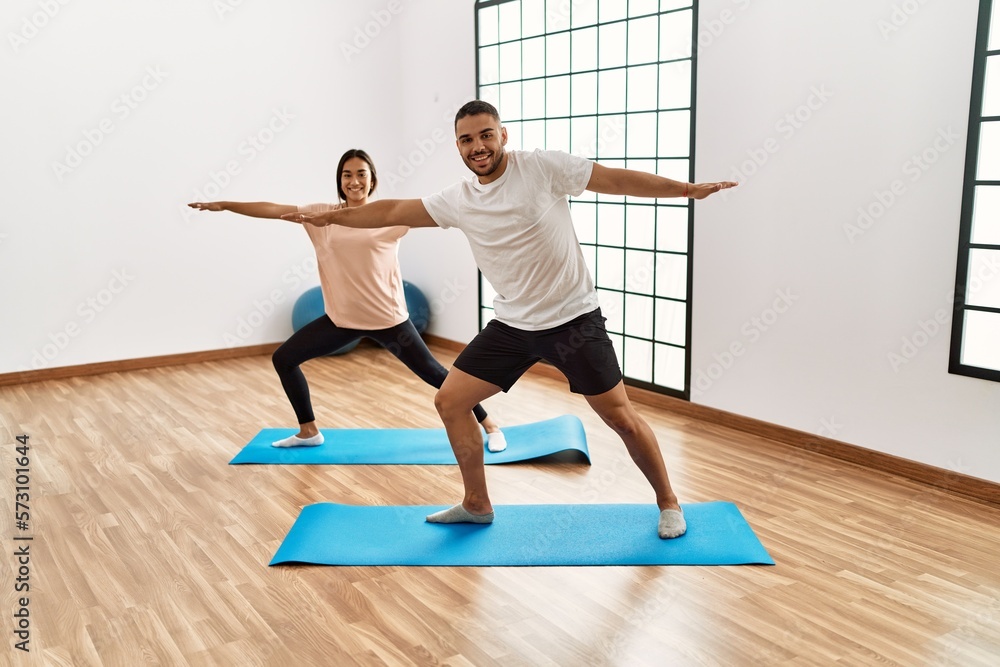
column 321, row 337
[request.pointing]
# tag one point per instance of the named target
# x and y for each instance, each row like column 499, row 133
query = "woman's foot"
column 296, row 441
column 308, row 436
column 495, row 439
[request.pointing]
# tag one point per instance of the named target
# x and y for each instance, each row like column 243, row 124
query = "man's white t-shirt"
column 522, row 236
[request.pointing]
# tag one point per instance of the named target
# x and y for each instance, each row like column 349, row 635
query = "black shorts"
column 580, row 348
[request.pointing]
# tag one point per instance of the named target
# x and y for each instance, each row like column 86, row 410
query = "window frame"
column 965, row 244
column 654, row 250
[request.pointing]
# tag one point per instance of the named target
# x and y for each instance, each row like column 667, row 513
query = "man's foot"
column 496, row 441
column 672, row 524
column 296, row 441
column 459, row 514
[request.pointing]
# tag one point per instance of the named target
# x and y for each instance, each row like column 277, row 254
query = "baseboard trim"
column 446, row 343
column 64, row 372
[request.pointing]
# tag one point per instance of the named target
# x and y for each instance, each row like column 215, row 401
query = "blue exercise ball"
column 418, row 306
column 308, row 307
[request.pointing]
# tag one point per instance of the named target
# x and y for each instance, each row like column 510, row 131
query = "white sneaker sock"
column 459, row 514
column 496, row 442
column 296, row 441
column 672, row 524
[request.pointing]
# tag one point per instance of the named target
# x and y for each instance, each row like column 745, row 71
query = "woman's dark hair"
column 358, row 153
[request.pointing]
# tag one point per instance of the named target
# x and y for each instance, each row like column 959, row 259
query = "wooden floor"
column 150, row 549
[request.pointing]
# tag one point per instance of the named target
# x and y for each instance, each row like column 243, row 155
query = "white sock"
column 496, row 442
column 296, row 441
column 459, row 514
column 672, row 524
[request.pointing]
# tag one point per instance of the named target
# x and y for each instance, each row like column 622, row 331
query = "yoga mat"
column 333, row 534
column 350, row 446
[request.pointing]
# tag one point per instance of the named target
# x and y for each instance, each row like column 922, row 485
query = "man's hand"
column 382, row 213
column 315, row 219
column 208, row 206
column 702, row 190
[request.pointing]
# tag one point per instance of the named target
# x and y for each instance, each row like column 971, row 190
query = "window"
column 975, row 340
column 613, row 82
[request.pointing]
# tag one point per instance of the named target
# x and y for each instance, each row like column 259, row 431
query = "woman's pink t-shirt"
column 359, row 273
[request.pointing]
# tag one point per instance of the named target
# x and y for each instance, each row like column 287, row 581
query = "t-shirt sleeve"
column 569, row 173
column 443, row 206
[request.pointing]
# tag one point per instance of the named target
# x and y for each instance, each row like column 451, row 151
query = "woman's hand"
column 208, row 206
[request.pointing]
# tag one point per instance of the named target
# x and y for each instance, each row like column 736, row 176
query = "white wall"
column 857, row 354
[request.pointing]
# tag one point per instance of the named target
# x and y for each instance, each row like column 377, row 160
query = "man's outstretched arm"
column 383, row 213
column 608, row 181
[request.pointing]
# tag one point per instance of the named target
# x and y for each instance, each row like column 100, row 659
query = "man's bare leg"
column 454, row 402
column 615, row 408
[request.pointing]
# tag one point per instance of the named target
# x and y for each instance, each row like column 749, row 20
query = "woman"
column 362, row 293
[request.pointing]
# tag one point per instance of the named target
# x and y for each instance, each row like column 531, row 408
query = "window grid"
column 975, row 336
column 659, row 331
column 484, row 5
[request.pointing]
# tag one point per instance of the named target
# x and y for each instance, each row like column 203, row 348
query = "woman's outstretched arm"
column 255, row 209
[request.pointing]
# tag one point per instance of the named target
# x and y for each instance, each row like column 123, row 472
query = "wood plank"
column 150, row 548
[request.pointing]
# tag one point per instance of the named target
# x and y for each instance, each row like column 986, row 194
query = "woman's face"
column 356, row 180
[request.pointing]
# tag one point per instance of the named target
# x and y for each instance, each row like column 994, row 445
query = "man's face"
column 480, row 141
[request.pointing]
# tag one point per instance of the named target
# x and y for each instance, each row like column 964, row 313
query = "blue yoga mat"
column 333, row 534
column 414, row 446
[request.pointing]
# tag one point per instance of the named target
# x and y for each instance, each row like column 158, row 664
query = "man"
column 515, row 214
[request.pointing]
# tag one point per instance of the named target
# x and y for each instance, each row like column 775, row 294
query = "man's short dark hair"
column 474, row 108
